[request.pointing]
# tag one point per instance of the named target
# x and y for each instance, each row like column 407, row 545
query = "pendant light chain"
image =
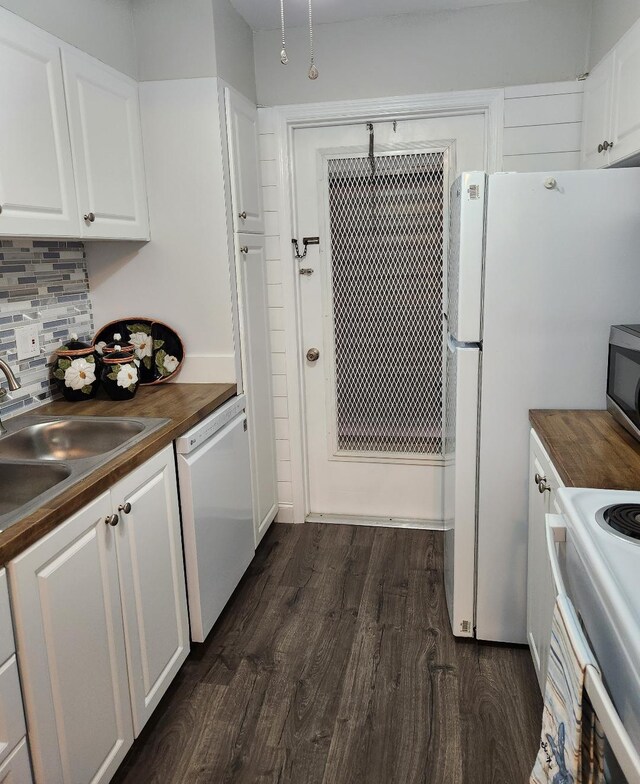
column 313, row 71
column 284, row 59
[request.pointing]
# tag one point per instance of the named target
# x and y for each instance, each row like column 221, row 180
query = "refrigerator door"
column 461, row 449
column 463, row 305
column 561, row 265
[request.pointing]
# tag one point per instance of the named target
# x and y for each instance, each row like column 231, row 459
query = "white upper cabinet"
column 104, row 121
column 596, row 118
column 611, row 119
column 37, row 193
column 625, row 113
column 244, row 160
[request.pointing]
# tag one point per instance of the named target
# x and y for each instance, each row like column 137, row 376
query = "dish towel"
column 572, row 744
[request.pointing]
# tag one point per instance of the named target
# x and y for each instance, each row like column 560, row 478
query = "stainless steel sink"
column 42, row 456
column 68, row 439
column 20, row 483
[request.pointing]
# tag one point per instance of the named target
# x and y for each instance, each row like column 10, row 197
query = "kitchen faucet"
column 12, row 381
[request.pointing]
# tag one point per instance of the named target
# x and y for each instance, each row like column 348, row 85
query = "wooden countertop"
column 589, row 448
column 183, row 404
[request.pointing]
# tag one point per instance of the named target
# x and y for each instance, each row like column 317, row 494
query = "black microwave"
column 623, row 377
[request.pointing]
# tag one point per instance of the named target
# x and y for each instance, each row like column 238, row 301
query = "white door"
column 244, row 160
column 625, row 114
column 371, row 311
column 256, row 363
column 596, row 115
column 71, row 650
column 152, row 583
column 37, row 193
column 104, row 120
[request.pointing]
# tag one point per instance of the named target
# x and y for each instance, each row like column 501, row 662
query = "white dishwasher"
column 214, row 476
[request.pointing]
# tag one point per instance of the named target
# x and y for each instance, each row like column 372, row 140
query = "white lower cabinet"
column 544, row 482
column 16, row 769
column 101, row 625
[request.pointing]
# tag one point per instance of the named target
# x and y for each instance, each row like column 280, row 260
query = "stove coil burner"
column 624, row 518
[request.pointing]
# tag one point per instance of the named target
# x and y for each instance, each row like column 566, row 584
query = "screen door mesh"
column 386, row 222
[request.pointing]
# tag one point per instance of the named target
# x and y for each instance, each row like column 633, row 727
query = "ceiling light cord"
column 284, row 59
column 313, row 71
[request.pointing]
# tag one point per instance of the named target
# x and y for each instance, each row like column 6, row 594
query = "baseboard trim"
column 377, row 522
column 284, row 513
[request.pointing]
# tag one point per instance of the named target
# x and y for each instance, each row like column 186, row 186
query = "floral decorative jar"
column 75, row 370
column 103, row 348
column 120, row 376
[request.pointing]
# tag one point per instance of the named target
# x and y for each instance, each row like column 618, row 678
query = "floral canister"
column 116, row 344
column 75, row 370
column 120, row 376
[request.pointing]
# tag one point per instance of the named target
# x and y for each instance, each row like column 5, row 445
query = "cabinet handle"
column 90, row 217
column 543, row 486
column 243, row 215
column 607, row 146
column 126, row 508
column 244, row 249
column 112, row 519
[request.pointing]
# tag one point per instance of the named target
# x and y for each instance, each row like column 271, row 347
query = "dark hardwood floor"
column 334, row 664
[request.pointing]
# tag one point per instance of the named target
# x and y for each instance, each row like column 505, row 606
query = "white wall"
column 182, row 275
column 489, row 46
column 542, row 127
column 610, row 20
column 234, row 49
column 175, row 39
column 103, row 28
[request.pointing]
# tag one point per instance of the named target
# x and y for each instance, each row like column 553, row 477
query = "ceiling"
column 265, row 14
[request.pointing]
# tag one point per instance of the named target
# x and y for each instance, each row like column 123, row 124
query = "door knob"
column 126, row 508
column 313, row 355
column 90, row 217
column 112, row 519
column 243, row 214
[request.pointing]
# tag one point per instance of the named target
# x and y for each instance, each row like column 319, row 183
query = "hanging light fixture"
column 284, row 59
column 313, row 71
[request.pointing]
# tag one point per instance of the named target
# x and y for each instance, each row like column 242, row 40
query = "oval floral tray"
column 157, row 347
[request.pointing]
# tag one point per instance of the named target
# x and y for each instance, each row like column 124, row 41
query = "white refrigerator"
column 540, row 266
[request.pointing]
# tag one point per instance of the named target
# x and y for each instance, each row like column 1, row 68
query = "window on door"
column 387, row 218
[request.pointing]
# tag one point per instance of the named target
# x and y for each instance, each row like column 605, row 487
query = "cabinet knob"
column 90, row 217
column 543, row 486
column 607, row 146
column 244, row 249
column 243, row 215
column 539, row 478
column 600, row 148
column 126, row 508
column 112, row 519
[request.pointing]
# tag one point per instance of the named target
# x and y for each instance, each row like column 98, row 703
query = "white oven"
column 598, row 568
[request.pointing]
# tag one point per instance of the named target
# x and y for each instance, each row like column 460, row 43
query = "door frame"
column 285, row 120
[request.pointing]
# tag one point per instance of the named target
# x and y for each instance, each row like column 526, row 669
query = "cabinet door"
column 244, row 161
column 152, row 581
column 106, row 138
column 626, row 96
column 16, row 768
column 541, row 593
column 256, row 361
column 596, row 118
column 37, row 193
column 71, row 650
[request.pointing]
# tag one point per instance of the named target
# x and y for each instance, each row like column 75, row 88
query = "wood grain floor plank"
column 334, row 663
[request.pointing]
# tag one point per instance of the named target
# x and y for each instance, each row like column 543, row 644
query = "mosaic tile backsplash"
column 43, row 282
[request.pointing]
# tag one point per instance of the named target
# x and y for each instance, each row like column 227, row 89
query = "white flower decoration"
column 143, row 344
column 170, row 363
column 79, row 374
column 127, row 375
column 100, row 347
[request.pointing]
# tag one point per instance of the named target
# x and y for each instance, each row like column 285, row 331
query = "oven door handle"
column 621, row 744
column 555, row 531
